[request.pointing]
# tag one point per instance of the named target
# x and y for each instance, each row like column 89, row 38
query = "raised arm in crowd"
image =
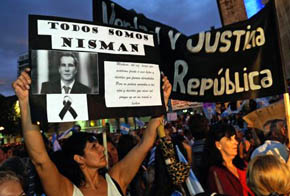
column 84, row 156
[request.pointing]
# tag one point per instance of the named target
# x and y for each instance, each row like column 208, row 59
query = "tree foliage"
column 9, row 119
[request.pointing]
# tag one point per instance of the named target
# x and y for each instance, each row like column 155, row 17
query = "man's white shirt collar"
column 70, row 86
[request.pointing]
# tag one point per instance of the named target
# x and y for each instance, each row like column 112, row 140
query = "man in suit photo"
column 68, row 68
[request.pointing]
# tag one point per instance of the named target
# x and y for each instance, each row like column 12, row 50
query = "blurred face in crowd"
column 167, row 132
column 67, row 68
column 239, row 135
column 2, row 155
column 284, row 132
column 228, row 146
column 11, row 188
column 113, row 154
column 280, row 132
column 9, row 153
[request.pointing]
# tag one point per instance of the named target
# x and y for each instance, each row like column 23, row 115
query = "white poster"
column 130, row 84
column 66, row 107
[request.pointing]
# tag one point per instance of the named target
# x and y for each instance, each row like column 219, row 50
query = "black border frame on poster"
column 96, row 103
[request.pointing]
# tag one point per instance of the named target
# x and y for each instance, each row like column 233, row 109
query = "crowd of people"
column 194, row 156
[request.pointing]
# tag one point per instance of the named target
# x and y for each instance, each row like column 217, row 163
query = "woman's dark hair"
column 126, row 143
column 100, row 139
column 64, row 159
column 198, row 125
column 217, row 132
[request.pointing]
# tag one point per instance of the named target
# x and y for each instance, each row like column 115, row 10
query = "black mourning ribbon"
column 67, row 107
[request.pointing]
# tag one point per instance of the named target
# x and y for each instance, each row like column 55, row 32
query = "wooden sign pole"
column 105, row 142
column 285, row 95
column 287, row 112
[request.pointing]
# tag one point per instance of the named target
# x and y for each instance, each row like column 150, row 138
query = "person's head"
column 67, row 67
column 278, row 131
column 225, row 141
column 199, row 126
column 239, row 135
column 168, row 130
column 9, row 153
column 113, row 154
column 76, row 128
column 222, row 143
column 252, row 105
column 267, row 174
column 2, row 155
column 126, row 143
column 79, row 152
column 10, row 184
column 112, row 150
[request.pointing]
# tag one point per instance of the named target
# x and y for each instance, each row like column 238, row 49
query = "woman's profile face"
column 94, row 155
column 228, row 146
column 11, row 188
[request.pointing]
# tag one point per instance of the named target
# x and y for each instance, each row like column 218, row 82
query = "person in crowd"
column 126, row 143
column 112, row 150
column 2, row 155
column 267, row 175
column 157, row 174
column 18, row 166
column 76, row 128
column 275, row 142
column 253, row 105
column 84, row 156
column 199, row 128
column 9, row 153
column 10, row 184
column 248, row 144
column 188, row 137
column 179, row 140
column 68, row 68
column 227, row 172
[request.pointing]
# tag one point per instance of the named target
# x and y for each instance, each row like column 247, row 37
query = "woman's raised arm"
column 53, row 182
column 125, row 170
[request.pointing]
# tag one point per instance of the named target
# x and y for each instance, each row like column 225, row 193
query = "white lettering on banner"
column 253, row 38
column 123, row 23
column 173, row 39
column 221, row 43
column 223, row 83
column 87, row 37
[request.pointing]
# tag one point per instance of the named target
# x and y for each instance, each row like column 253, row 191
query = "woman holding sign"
column 84, row 155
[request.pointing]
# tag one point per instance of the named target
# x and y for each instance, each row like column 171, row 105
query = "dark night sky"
column 188, row 16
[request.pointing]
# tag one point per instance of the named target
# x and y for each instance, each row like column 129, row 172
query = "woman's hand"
column 166, row 89
column 21, row 86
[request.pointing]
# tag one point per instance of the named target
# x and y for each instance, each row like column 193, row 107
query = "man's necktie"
column 66, row 89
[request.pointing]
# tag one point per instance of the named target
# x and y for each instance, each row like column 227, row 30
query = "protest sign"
column 283, row 15
column 181, row 105
column 82, row 71
column 235, row 62
column 260, row 117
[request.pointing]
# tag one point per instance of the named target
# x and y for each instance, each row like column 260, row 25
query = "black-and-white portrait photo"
column 64, row 72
